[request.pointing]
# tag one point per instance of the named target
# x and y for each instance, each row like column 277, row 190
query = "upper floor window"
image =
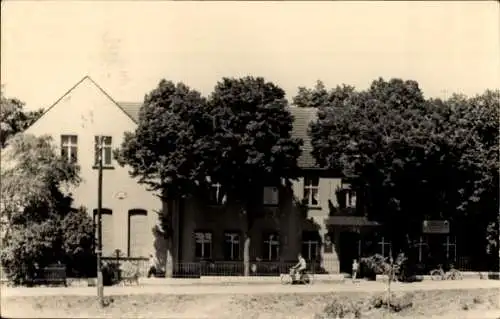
column 217, row 194
column 271, row 195
column 69, row 148
column 106, row 150
column 346, row 196
column 311, row 190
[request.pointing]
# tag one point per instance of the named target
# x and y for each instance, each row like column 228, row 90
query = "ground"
column 464, row 299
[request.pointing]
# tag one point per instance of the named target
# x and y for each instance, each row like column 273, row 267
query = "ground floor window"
column 271, row 247
column 311, row 245
column 232, row 246
column 385, row 247
column 203, row 244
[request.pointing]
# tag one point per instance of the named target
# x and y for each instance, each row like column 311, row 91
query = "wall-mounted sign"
column 121, row 195
column 435, row 227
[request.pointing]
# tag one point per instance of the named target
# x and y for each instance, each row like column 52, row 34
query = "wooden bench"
column 51, row 275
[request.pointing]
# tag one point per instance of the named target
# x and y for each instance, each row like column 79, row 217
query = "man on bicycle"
column 299, row 268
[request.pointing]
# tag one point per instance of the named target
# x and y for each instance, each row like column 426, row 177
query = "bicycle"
column 305, row 279
column 440, row 274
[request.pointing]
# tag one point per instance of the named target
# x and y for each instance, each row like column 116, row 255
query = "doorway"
column 348, row 250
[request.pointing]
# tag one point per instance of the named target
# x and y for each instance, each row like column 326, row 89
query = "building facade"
column 317, row 215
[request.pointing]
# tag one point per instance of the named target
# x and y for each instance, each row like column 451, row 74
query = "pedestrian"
column 355, row 267
column 153, row 264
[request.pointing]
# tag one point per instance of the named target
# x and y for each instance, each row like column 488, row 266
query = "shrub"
column 396, row 303
column 340, row 309
column 374, row 265
column 129, row 269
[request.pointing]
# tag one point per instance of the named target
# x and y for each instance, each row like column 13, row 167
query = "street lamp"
column 100, row 287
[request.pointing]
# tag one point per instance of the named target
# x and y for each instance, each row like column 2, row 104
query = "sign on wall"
column 435, row 227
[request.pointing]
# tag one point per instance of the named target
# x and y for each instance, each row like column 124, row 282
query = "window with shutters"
column 108, row 245
column 69, row 148
column 271, row 196
column 203, row 245
column 138, row 232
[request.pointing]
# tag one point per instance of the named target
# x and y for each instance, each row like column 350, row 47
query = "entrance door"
column 349, row 250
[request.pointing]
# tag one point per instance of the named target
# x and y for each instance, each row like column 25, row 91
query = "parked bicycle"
column 440, row 274
column 305, row 279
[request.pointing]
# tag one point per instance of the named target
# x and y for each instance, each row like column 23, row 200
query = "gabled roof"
column 88, row 78
column 302, row 117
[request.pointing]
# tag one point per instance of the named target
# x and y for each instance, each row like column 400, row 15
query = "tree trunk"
column 169, row 261
column 168, row 211
column 246, row 254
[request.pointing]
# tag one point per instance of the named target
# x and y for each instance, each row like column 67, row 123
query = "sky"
column 127, row 47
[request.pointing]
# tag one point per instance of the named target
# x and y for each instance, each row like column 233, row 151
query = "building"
column 317, row 215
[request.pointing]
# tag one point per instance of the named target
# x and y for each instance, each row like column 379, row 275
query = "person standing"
column 355, row 267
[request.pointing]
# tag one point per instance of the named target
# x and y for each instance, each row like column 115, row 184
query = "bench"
column 51, row 275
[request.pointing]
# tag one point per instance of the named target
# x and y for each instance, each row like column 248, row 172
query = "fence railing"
column 234, row 268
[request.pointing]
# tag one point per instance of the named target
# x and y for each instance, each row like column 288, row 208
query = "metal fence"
column 233, row 268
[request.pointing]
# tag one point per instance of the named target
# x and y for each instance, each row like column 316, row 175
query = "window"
column 138, row 233
column 69, row 147
column 271, row 195
column 310, row 245
column 271, row 249
column 231, row 246
column 385, row 247
column 203, row 245
column 311, row 191
column 346, row 196
column 107, row 151
column 217, row 195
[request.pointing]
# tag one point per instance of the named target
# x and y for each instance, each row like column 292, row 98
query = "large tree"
column 411, row 159
column 319, row 96
column 168, row 148
column 36, row 213
column 253, row 146
column 13, row 118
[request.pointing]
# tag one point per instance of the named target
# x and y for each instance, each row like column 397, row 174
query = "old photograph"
column 250, row 159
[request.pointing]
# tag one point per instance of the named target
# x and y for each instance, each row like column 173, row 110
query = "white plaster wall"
column 86, row 111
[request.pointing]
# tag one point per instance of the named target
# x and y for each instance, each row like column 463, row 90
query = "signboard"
column 357, row 221
column 435, row 227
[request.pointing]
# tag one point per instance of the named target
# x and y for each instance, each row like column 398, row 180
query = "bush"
column 340, row 309
column 373, row 266
column 111, row 274
column 395, row 304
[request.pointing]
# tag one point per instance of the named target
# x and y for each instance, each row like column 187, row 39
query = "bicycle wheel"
column 308, row 278
column 286, row 279
column 436, row 275
column 455, row 275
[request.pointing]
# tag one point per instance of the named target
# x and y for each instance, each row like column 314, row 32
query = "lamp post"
column 100, row 287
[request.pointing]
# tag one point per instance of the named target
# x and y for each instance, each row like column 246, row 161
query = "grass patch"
column 314, row 305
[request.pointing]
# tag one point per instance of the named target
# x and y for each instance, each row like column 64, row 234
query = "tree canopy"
column 412, row 158
column 168, row 149
column 39, row 224
column 13, row 119
column 253, row 146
